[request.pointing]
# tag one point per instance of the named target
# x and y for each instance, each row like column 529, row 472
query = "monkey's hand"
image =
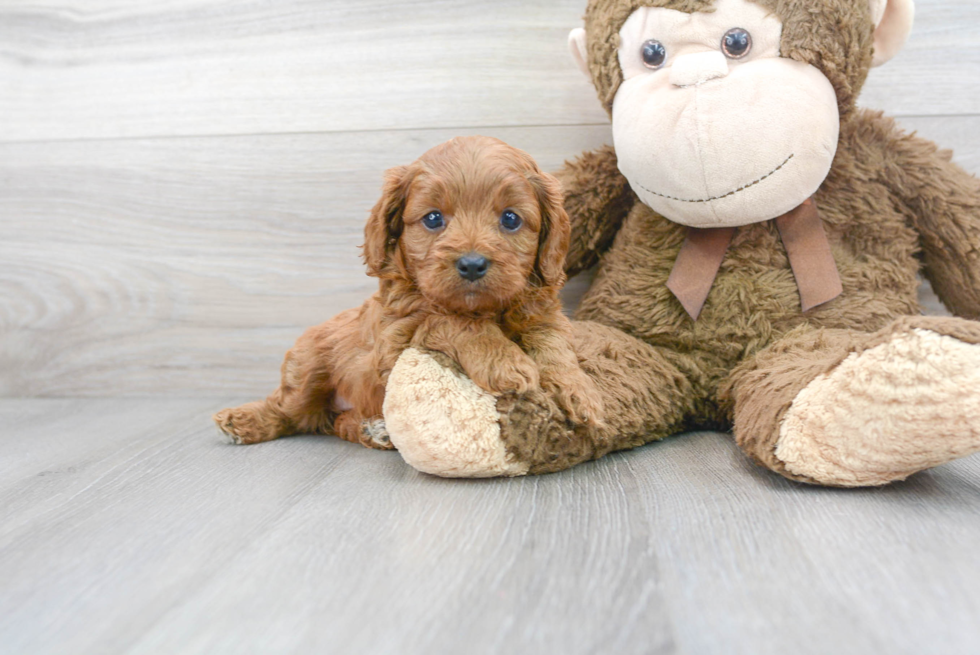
column 597, row 199
column 943, row 201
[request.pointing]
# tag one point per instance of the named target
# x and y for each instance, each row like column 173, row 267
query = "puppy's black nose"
column 472, row 266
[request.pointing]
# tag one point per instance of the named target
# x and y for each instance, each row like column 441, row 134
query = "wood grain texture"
column 128, row 527
column 110, row 69
column 224, row 67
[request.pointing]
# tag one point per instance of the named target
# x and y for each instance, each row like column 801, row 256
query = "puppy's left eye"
column 433, row 221
column 510, row 221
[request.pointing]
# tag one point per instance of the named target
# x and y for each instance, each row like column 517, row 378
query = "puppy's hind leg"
column 254, row 422
column 300, row 404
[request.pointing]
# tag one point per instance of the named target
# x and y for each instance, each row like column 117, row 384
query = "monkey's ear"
column 577, row 46
column 384, row 225
column 893, row 22
column 556, row 229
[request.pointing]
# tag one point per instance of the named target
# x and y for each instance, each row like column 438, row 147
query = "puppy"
column 469, row 244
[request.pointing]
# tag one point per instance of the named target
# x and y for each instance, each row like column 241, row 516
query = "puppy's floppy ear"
column 384, row 225
column 555, row 229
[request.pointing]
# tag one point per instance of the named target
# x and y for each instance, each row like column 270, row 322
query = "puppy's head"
column 474, row 223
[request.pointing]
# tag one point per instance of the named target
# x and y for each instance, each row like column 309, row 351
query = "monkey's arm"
column 597, row 199
column 944, row 201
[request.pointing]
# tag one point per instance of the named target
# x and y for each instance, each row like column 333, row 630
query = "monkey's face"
column 711, row 126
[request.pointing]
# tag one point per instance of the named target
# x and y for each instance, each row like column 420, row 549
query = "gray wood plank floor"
column 127, row 526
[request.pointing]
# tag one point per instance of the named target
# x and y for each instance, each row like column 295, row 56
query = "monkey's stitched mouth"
column 730, row 193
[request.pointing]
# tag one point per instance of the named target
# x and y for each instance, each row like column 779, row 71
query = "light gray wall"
column 183, row 184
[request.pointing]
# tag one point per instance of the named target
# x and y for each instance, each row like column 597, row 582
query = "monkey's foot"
column 442, row 423
column 908, row 402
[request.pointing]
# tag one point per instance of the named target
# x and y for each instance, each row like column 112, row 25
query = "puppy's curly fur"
column 469, row 244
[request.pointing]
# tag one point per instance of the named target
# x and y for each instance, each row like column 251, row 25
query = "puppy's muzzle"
column 472, row 266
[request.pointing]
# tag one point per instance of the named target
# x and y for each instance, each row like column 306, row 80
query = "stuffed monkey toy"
column 758, row 239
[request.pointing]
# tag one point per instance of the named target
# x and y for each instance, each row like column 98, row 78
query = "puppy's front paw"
column 577, row 395
column 519, row 375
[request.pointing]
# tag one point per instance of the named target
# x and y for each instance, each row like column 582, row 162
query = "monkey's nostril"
column 472, row 266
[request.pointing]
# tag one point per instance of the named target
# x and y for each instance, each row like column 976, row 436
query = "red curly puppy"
column 469, row 243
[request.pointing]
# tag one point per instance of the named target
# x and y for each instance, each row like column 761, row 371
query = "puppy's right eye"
column 433, row 221
column 510, row 221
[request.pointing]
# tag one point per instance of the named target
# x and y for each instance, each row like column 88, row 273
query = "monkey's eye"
column 736, row 43
column 654, row 54
column 510, row 221
column 433, row 221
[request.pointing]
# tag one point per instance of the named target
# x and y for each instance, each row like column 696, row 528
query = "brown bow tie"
column 806, row 246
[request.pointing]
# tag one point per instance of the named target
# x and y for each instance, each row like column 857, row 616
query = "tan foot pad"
column 444, row 424
column 886, row 412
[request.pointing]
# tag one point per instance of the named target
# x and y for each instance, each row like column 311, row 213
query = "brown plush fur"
column 506, row 329
column 761, row 389
column 892, row 205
